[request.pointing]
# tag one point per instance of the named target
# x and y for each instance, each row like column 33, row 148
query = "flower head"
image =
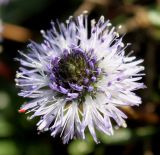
column 78, row 78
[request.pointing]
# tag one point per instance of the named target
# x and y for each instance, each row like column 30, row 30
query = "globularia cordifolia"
column 78, row 78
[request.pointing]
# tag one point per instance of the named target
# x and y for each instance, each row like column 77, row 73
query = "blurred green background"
column 23, row 20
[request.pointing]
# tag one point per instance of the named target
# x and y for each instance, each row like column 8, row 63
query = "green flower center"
column 72, row 68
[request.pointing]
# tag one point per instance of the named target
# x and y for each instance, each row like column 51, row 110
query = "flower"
column 78, row 78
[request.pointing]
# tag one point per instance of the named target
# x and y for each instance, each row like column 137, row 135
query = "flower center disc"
column 75, row 73
column 72, row 68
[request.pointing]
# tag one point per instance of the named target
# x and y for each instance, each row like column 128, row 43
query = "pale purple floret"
column 78, row 78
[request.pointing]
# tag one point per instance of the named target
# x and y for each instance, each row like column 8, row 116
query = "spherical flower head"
column 77, row 79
